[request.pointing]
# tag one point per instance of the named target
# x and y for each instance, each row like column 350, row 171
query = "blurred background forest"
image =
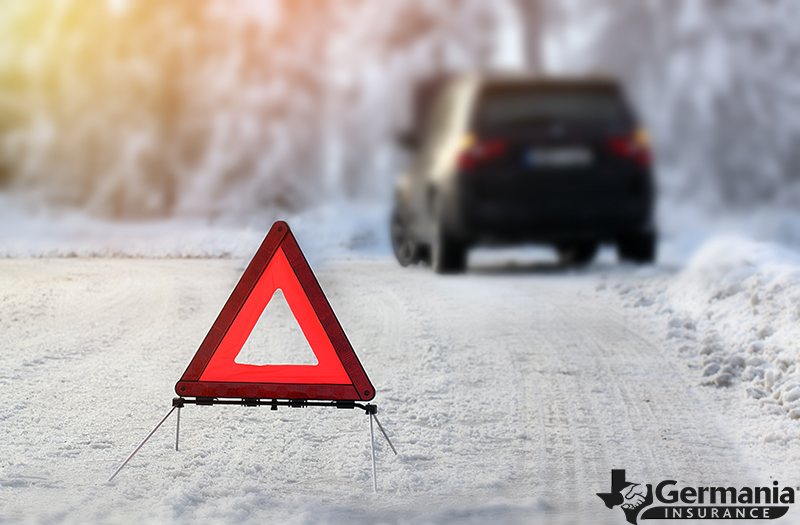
column 131, row 109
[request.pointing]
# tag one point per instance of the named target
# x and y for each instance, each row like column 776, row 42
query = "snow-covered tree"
column 715, row 81
column 142, row 108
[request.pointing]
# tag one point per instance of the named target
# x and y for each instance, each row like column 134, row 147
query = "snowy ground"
column 510, row 392
column 732, row 315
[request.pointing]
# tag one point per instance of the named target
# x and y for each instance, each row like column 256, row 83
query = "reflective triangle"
column 278, row 264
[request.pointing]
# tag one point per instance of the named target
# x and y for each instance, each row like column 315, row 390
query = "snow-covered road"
column 509, row 394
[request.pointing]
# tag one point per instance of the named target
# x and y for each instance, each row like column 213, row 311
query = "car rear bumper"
column 553, row 207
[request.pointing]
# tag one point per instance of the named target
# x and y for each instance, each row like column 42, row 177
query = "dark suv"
column 507, row 159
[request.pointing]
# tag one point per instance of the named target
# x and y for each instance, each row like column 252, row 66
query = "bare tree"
column 534, row 19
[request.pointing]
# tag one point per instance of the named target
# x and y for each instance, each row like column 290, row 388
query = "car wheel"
column 424, row 254
column 639, row 248
column 448, row 255
column 405, row 249
column 577, row 253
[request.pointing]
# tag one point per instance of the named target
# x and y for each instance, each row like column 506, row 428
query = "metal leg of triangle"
column 372, row 448
column 178, row 429
column 171, row 410
column 383, row 432
column 179, row 402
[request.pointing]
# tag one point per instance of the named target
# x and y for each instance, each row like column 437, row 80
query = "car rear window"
column 512, row 105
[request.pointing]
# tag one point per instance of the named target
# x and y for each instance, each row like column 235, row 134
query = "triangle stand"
column 179, row 402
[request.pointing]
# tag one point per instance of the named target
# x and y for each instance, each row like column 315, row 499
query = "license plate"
column 558, row 157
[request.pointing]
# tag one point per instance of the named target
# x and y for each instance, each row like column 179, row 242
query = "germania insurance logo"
column 692, row 503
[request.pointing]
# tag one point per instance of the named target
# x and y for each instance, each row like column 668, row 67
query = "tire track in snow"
column 580, row 387
column 614, row 400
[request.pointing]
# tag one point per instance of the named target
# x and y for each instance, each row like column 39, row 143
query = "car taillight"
column 635, row 147
column 475, row 152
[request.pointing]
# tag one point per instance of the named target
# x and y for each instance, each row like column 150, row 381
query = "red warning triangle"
column 278, row 264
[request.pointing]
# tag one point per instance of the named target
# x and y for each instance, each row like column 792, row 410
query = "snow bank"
column 336, row 228
column 733, row 312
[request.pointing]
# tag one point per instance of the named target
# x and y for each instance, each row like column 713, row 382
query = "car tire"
column 425, row 254
column 578, row 253
column 406, row 250
column 639, row 248
column 448, row 255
